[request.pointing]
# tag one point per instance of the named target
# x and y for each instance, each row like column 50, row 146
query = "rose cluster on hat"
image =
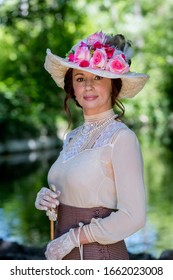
column 103, row 55
column 95, row 53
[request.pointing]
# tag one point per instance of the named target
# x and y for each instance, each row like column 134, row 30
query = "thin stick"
column 51, row 230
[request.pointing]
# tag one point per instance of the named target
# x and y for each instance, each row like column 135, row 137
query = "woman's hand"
column 47, row 199
column 58, row 248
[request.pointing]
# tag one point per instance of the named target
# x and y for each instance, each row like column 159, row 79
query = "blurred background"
column 32, row 118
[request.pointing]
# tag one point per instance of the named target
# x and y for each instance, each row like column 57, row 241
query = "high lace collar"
column 101, row 117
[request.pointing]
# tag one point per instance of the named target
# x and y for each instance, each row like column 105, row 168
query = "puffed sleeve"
column 129, row 182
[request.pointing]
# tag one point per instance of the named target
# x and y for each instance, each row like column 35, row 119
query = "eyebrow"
column 79, row 74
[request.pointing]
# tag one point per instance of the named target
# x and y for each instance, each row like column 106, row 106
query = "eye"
column 98, row 78
column 80, row 79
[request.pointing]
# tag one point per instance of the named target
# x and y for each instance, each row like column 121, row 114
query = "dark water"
column 22, row 175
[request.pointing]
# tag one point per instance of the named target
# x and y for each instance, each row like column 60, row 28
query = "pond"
column 22, row 175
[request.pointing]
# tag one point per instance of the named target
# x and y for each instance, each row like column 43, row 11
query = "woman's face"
column 92, row 92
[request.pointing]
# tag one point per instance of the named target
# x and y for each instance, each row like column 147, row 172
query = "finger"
column 48, row 204
column 49, row 192
column 53, row 194
column 43, row 208
column 43, row 204
column 44, row 201
column 47, row 199
column 50, row 196
column 58, row 193
column 46, row 191
column 40, row 207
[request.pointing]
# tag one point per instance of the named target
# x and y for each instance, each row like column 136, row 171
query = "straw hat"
column 103, row 55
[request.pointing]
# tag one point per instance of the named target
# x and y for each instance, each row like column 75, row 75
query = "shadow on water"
column 22, row 175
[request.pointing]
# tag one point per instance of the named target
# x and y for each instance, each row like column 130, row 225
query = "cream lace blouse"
column 101, row 165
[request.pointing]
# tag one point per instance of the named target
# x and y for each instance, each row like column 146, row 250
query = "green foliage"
column 31, row 103
column 29, row 99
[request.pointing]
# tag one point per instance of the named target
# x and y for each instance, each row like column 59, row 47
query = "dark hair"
column 68, row 87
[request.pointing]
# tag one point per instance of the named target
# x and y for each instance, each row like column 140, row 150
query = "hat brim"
column 132, row 82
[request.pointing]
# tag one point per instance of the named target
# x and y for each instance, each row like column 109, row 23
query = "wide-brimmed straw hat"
column 103, row 55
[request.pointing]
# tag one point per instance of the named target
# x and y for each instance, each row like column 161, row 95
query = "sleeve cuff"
column 88, row 234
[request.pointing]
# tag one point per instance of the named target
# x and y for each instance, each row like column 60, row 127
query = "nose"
column 88, row 84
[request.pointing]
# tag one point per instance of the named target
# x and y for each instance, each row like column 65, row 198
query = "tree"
column 29, row 99
column 31, row 103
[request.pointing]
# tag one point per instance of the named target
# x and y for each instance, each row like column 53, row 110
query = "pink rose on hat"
column 97, row 45
column 109, row 51
column 71, row 57
column 118, row 65
column 96, row 37
column 84, row 63
column 82, row 53
column 99, row 59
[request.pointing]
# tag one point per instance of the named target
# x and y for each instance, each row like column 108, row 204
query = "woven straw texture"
column 132, row 82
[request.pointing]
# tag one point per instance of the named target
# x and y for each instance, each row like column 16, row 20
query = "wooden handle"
column 52, row 229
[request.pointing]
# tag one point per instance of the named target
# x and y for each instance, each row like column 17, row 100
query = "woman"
column 99, row 173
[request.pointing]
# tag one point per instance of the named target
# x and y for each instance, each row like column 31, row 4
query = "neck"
column 99, row 117
column 96, row 122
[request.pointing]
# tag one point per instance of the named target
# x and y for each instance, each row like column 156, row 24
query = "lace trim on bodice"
column 77, row 142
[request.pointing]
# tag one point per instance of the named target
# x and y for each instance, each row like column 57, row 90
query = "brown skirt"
column 69, row 217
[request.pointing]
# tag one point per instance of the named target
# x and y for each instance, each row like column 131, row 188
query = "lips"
column 90, row 97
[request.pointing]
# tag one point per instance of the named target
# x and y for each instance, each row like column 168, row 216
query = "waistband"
column 70, row 216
